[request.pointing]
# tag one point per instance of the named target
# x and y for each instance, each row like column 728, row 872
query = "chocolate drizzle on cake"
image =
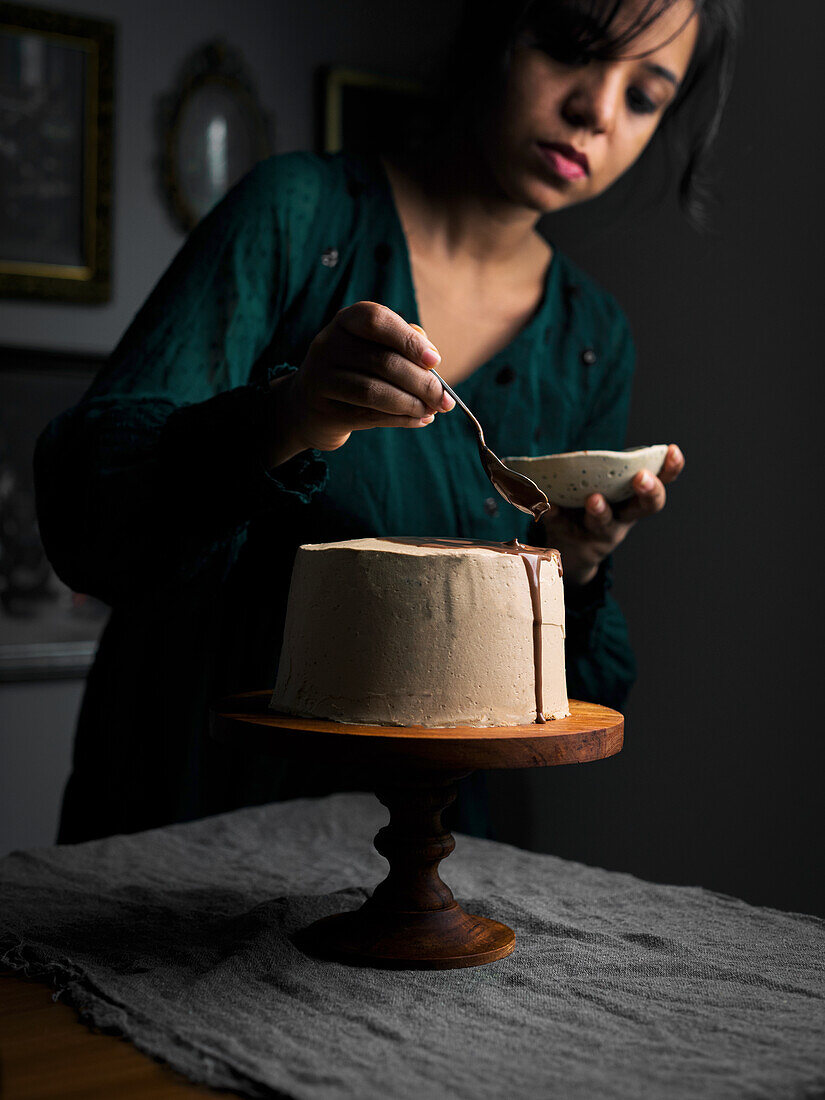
column 532, row 563
column 532, row 556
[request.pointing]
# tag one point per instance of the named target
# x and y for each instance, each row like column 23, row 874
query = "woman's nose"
column 594, row 100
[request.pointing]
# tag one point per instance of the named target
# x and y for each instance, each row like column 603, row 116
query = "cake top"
column 418, row 547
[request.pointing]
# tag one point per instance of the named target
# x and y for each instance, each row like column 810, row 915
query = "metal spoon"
column 517, row 489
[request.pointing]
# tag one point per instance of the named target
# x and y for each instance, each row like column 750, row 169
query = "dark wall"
column 720, row 782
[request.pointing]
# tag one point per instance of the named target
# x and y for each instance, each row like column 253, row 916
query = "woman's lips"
column 565, row 161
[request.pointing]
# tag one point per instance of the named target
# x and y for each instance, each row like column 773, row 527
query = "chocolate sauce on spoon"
column 519, row 490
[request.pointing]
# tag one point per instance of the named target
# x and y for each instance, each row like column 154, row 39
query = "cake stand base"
column 412, row 920
column 445, row 940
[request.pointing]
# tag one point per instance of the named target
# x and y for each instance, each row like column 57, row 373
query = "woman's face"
column 565, row 132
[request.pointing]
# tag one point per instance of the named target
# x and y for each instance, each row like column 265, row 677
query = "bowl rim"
column 586, row 454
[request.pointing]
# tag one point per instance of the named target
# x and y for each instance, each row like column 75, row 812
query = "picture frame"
column 47, row 632
column 364, row 112
column 56, row 135
column 212, row 130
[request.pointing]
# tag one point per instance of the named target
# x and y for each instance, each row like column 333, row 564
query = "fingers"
column 673, row 465
column 369, row 368
column 586, row 536
column 360, row 418
column 598, row 515
column 447, row 400
column 370, row 391
column 650, row 497
column 404, row 375
column 369, row 374
column 599, row 518
column 371, row 338
column 381, row 325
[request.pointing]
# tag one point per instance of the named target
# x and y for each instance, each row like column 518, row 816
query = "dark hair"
column 583, row 30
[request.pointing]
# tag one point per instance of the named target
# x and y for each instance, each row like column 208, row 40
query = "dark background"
column 719, row 782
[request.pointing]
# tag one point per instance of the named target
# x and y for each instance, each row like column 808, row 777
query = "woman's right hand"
column 368, row 368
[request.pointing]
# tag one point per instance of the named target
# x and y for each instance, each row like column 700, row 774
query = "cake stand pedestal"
column 412, row 919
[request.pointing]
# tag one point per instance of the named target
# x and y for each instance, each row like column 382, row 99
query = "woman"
column 180, row 487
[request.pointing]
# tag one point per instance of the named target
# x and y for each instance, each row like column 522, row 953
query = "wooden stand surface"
column 412, row 919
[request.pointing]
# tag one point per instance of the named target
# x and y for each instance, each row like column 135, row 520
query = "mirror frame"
column 213, row 63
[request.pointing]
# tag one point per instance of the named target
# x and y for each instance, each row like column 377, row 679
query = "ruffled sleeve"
column 150, row 482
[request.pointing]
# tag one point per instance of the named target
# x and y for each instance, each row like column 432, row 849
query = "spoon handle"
column 461, row 405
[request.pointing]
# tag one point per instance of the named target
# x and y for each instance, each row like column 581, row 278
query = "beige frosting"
column 383, row 633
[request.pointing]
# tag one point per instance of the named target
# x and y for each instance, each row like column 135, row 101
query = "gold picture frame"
column 56, row 131
column 363, row 112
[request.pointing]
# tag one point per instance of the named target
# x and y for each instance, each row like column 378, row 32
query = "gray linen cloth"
column 179, row 938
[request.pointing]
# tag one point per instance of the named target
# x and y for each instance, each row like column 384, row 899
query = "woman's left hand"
column 585, row 537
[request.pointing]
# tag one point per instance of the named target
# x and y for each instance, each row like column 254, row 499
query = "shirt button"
column 505, row 376
column 382, row 253
column 329, row 257
column 491, row 506
column 589, row 357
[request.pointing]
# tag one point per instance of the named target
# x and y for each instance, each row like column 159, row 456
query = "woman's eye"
column 565, row 53
column 574, row 58
column 640, row 103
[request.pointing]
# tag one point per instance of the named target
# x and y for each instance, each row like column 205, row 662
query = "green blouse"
column 152, row 497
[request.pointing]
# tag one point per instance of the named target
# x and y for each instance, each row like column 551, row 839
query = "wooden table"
column 47, row 1054
column 412, row 919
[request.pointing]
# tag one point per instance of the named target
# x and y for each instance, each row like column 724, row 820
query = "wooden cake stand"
column 412, row 918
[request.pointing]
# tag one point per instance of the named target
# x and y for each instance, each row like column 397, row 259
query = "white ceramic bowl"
column 569, row 479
